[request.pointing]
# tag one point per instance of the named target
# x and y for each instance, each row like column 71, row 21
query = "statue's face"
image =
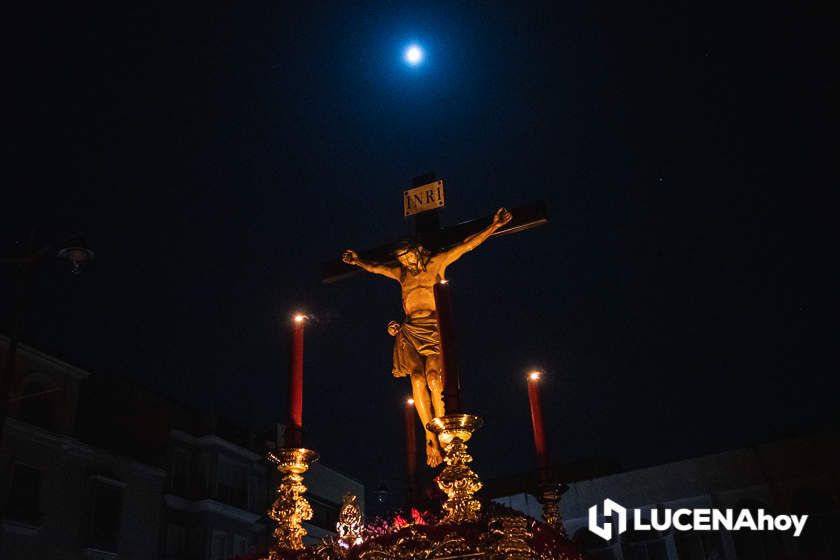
column 410, row 258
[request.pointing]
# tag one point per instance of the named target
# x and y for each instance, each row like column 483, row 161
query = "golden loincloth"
column 416, row 338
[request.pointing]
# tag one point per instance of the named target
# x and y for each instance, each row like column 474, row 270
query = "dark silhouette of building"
column 790, row 476
column 99, row 467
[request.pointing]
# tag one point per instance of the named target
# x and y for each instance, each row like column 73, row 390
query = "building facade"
column 97, row 467
column 798, row 475
column 62, row 497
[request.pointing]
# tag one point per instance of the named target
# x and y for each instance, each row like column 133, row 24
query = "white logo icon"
column 605, row 531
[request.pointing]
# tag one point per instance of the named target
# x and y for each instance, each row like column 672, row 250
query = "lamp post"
column 72, row 249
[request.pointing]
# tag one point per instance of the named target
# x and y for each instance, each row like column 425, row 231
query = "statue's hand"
column 393, row 328
column 350, row 257
column 502, row 217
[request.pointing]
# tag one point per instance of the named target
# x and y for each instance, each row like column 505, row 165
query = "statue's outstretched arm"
column 500, row 218
column 350, row 257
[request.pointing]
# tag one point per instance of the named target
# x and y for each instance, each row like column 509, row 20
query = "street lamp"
column 382, row 493
column 77, row 254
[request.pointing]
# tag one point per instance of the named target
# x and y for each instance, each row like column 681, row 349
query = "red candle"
column 446, row 328
column 537, row 423
column 411, row 450
column 294, row 428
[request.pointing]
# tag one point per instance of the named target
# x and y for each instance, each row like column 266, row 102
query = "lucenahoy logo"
column 683, row 519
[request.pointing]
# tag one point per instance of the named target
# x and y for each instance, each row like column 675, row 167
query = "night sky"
column 214, row 157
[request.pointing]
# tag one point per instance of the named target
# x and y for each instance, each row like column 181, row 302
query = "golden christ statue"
column 417, row 341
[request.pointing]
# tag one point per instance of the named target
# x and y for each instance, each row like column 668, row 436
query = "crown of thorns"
column 405, row 245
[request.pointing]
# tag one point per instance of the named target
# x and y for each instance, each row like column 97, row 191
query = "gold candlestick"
column 457, row 480
column 551, row 493
column 291, row 509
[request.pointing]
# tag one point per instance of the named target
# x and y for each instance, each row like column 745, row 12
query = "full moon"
column 414, row 55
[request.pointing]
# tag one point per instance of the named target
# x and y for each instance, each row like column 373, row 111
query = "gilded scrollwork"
column 459, row 483
column 416, row 545
column 291, row 509
column 551, row 493
column 466, row 531
column 349, row 526
column 512, row 538
column 505, row 535
column 457, row 480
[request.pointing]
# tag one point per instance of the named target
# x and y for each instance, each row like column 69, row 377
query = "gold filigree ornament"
column 512, row 538
column 291, row 509
column 457, row 480
column 414, row 544
column 349, row 526
column 551, row 493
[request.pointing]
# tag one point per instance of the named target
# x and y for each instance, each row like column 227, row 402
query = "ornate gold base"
column 291, row 509
column 457, row 480
column 513, row 538
column 550, row 498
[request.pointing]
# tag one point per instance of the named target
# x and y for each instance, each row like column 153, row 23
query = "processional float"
column 424, row 352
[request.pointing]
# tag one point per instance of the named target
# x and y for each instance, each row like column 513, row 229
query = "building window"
column 176, row 540
column 179, row 481
column 219, row 546
column 232, row 484
column 699, row 545
column 196, row 543
column 596, row 548
column 643, row 545
column 820, row 539
column 204, row 478
column 36, row 405
column 105, row 513
column 324, row 513
column 240, row 545
column 24, row 499
column 757, row 545
column 257, row 493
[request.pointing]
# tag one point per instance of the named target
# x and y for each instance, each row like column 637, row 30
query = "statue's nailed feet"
column 434, row 457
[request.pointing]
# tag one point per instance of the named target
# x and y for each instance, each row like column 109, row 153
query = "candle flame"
column 409, row 401
column 299, row 317
column 444, row 281
column 535, row 375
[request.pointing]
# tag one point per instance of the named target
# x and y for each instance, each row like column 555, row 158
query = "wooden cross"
column 428, row 231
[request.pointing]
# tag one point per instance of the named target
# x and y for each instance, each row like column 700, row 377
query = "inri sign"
column 423, row 198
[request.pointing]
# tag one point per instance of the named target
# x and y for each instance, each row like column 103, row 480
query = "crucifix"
column 423, row 348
